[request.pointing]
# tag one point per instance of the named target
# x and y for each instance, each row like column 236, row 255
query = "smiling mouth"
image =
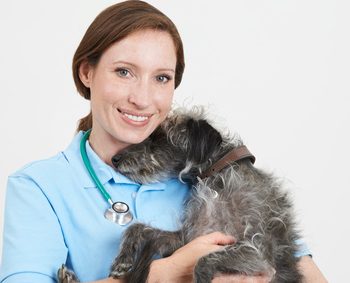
column 135, row 118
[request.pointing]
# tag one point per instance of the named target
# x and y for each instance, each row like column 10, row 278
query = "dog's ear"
column 203, row 140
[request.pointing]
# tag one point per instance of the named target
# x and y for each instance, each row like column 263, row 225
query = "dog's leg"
column 66, row 276
column 134, row 239
column 162, row 244
column 140, row 246
column 236, row 259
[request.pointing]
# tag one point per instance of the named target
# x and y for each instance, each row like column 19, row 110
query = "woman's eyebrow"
column 124, row 62
column 135, row 66
column 166, row 69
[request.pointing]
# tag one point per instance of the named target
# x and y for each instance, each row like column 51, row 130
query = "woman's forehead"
column 146, row 47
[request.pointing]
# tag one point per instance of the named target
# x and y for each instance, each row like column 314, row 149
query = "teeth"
column 136, row 118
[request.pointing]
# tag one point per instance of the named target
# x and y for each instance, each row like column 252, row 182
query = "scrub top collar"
column 104, row 172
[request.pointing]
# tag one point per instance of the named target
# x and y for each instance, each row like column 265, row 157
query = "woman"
column 128, row 64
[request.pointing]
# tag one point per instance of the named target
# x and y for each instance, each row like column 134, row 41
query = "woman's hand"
column 179, row 266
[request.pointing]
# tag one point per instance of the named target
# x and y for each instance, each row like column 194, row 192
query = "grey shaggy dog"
column 240, row 200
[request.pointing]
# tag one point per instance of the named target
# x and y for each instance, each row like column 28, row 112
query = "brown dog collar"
column 234, row 155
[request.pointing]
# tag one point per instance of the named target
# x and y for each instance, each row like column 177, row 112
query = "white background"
column 277, row 72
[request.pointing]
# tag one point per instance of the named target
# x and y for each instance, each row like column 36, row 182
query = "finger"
column 217, row 238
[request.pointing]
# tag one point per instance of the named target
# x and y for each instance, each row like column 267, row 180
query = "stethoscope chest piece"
column 119, row 213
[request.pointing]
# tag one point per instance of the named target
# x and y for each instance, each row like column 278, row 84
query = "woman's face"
column 132, row 87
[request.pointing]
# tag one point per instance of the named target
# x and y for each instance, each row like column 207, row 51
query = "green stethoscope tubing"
column 119, row 211
column 91, row 171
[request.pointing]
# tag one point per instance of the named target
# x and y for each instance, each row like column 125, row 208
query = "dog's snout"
column 115, row 159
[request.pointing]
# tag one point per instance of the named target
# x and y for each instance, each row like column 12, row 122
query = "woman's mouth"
column 134, row 118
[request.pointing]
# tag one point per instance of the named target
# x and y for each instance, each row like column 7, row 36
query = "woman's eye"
column 163, row 78
column 122, row 72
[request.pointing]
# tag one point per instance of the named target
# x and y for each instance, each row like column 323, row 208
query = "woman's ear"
column 85, row 73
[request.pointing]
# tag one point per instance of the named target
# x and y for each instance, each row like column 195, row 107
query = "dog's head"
column 194, row 137
column 204, row 141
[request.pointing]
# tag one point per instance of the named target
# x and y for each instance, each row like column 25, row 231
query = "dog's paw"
column 66, row 276
column 120, row 270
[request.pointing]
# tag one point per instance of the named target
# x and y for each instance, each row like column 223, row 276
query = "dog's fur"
column 240, row 200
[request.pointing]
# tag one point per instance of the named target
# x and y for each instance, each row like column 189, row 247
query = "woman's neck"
column 104, row 146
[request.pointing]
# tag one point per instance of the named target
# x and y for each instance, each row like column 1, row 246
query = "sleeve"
column 303, row 249
column 33, row 243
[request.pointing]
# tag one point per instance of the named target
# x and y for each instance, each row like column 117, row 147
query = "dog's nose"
column 115, row 159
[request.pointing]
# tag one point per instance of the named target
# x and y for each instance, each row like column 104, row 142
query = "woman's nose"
column 141, row 94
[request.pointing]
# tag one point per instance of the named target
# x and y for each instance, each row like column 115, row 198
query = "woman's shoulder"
column 46, row 167
column 53, row 166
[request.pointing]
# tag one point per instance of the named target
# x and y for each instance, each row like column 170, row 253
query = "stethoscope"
column 119, row 211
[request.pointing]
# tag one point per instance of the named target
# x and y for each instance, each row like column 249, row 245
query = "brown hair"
column 113, row 24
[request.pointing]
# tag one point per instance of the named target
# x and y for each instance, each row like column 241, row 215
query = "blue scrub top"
column 54, row 214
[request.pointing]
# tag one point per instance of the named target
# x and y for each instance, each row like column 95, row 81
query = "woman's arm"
column 310, row 270
column 179, row 266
